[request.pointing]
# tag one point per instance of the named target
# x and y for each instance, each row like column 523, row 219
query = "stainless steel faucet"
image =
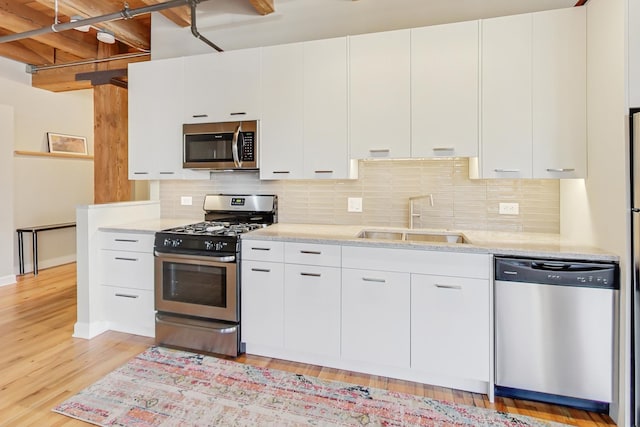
column 413, row 199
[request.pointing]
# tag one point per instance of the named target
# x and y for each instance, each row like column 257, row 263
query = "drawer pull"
column 455, row 287
column 167, row 173
column 311, row 252
column 127, row 296
column 126, row 240
column 141, row 173
column 379, row 150
column 311, row 274
column 126, row 259
column 281, row 172
column 260, row 249
column 239, row 113
column 323, row 171
column 261, row 270
column 561, row 170
column 199, row 116
column 369, row 279
column 443, row 149
column 507, row 170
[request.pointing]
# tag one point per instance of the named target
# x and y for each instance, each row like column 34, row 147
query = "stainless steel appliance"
column 221, row 146
column 554, row 330
column 197, row 286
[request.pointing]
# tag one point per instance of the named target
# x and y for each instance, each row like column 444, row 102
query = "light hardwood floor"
column 41, row 364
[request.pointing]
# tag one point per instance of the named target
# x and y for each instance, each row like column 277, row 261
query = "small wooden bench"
column 34, row 231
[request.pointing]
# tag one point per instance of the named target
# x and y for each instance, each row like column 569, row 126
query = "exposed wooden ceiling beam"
column 181, row 16
column 263, row 7
column 27, row 51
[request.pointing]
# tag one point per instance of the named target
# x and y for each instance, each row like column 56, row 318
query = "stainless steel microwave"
column 221, row 146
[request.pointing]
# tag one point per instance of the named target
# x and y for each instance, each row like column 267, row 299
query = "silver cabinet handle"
column 456, row 287
column 125, row 259
column 167, row 173
column 198, row 116
column 369, row 279
column 323, row 171
column 379, row 150
column 261, row 270
column 127, row 296
column 311, row 252
column 311, row 274
column 281, row 172
column 239, row 113
column 141, row 173
column 126, row 240
column 507, row 170
column 443, row 149
column 561, row 170
column 260, row 249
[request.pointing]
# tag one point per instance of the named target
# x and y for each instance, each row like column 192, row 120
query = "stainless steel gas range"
column 197, row 279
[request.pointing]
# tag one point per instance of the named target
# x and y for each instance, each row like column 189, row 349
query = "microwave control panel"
column 248, row 144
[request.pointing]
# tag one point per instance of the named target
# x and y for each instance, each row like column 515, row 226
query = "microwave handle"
column 234, row 146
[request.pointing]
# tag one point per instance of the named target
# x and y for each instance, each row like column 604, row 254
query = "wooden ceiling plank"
column 21, row 54
column 263, row 7
column 181, row 16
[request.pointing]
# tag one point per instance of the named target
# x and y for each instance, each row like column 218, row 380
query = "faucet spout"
column 412, row 214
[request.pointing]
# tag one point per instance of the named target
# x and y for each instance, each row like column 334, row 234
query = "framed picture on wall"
column 67, row 144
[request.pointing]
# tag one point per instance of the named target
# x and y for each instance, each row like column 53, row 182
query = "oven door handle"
column 227, row 259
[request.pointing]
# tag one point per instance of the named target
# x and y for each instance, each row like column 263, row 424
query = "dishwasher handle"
column 558, row 272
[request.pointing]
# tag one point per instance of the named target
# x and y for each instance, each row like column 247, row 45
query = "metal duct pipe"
column 125, row 13
column 194, row 28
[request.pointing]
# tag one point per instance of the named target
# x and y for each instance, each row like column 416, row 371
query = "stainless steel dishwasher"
column 554, row 330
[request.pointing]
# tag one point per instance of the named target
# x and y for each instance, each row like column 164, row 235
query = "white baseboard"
column 89, row 330
column 8, row 280
column 48, row 263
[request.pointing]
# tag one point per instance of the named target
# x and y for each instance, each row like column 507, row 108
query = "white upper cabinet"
column 304, row 115
column 559, row 94
column 222, row 86
column 155, row 119
column 282, row 133
column 326, row 148
column 506, row 144
column 380, row 95
column 444, row 90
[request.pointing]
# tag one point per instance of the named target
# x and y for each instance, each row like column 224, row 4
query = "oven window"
column 209, row 147
column 194, row 284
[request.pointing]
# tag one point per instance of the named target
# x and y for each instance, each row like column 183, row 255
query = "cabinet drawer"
column 417, row 261
column 130, row 310
column 128, row 269
column 312, row 254
column 262, row 250
column 135, row 242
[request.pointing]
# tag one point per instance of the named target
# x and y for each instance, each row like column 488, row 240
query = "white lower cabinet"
column 375, row 317
column 262, row 303
column 312, row 309
column 127, row 281
column 450, row 326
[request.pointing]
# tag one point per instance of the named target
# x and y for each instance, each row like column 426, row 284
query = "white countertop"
column 542, row 245
column 150, row 225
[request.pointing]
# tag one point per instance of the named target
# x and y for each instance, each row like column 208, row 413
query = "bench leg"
column 35, row 253
column 20, row 253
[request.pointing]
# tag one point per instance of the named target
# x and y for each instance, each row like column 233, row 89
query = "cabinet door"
column 375, row 317
column 380, row 95
column 262, row 303
column 282, row 136
column 444, row 90
column 559, row 94
column 155, row 119
column 312, row 309
column 326, row 152
column 222, row 86
column 506, row 144
column 450, row 333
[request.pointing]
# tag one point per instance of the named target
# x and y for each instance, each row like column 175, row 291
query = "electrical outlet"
column 354, row 204
column 186, row 200
column 509, row 209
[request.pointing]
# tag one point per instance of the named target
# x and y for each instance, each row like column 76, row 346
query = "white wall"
column 45, row 190
column 7, row 275
column 633, row 28
column 595, row 211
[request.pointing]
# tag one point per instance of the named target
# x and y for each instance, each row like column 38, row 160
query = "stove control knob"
column 172, row 242
column 208, row 245
column 219, row 246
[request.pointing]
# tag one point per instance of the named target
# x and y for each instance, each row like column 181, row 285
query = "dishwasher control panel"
column 558, row 272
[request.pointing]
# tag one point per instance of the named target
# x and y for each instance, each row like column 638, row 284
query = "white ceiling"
column 233, row 24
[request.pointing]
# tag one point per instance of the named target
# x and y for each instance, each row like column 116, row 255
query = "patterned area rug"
column 164, row 387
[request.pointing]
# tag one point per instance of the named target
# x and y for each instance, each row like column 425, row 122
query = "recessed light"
column 106, row 36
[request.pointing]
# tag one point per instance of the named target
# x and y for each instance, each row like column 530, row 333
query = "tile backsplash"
column 385, row 188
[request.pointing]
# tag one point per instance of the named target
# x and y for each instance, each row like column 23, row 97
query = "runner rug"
column 165, row 387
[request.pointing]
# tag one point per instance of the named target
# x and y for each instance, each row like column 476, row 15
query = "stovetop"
column 215, row 228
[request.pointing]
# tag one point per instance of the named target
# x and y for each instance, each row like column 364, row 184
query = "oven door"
column 200, row 286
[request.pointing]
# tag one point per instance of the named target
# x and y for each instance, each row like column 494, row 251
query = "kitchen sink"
column 414, row 236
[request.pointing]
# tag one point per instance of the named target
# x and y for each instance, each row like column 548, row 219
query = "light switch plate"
column 186, row 200
column 509, row 209
column 354, row 204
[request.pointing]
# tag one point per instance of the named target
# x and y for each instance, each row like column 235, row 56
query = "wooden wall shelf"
column 59, row 155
